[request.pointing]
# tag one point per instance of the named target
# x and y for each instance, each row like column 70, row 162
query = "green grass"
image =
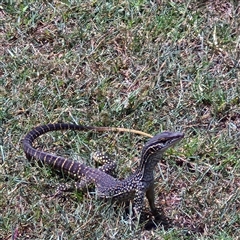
column 147, row 65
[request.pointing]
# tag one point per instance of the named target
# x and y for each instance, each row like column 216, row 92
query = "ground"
column 146, row 65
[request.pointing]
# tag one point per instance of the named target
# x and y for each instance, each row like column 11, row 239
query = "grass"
column 147, row 65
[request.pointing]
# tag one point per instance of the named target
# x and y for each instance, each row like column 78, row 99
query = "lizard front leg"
column 138, row 202
column 151, row 199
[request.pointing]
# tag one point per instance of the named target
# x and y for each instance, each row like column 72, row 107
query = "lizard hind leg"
column 106, row 165
column 62, row 189
column 105, row 162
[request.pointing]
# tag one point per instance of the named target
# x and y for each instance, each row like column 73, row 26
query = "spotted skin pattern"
column 134, row 187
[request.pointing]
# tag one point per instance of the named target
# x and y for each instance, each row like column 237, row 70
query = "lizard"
column 133, row 187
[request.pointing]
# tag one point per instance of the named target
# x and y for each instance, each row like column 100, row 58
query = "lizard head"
column 161, row 142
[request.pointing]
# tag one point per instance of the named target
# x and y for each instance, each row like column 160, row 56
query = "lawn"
column 146, row 65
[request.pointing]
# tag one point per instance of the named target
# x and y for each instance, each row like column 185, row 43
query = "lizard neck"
column 147, row 166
